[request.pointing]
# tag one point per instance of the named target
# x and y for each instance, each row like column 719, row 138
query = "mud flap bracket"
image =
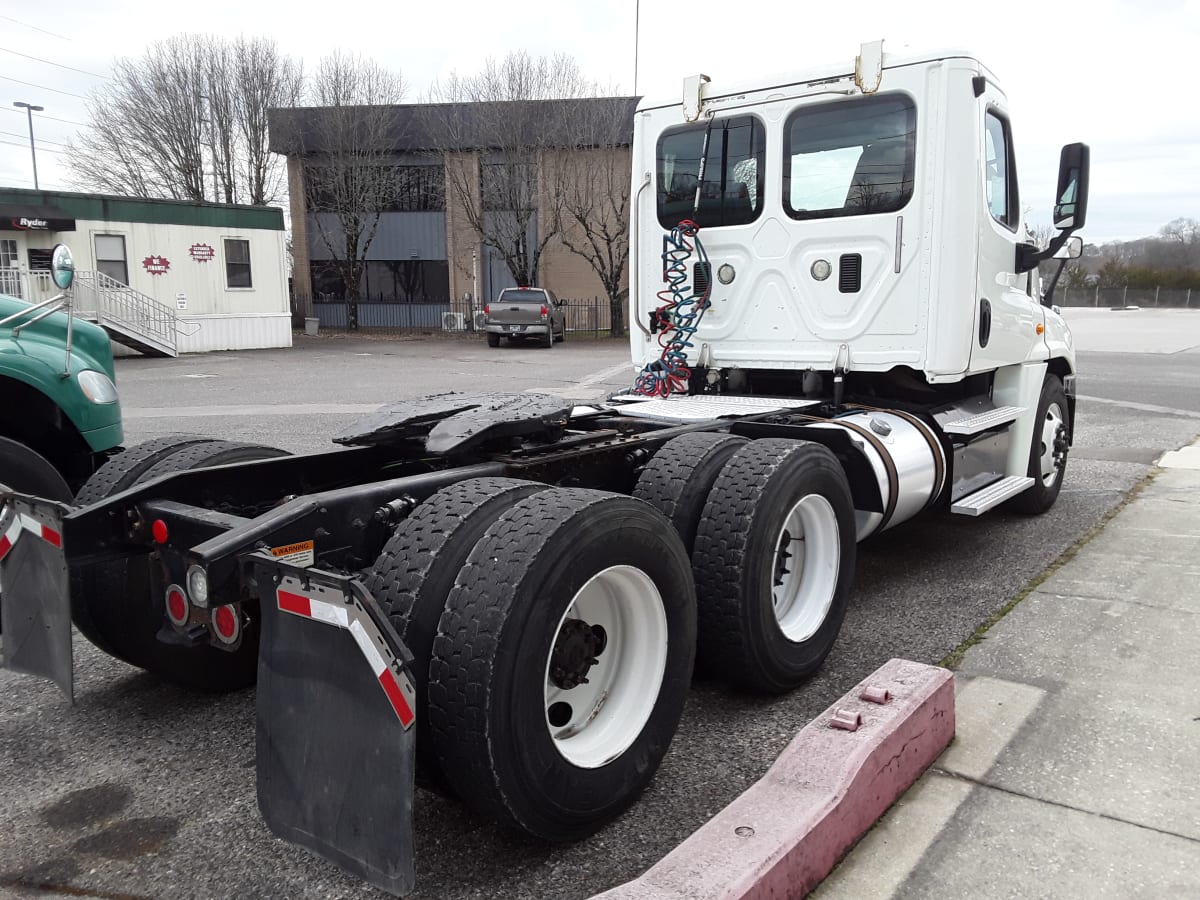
column 335, row 723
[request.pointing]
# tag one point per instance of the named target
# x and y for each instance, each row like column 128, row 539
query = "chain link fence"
column 1178, row 298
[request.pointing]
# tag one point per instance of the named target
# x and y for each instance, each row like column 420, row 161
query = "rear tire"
column 1048, row 452
column 116, row 606
column 678, row 479
column 774, row 563
column 548, row 338
column 520, row 738
column 119, row 473
column 416, row 570
column 493, row 340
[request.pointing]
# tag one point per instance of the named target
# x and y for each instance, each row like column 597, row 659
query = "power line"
column 40, row 149
column 35, row 28
column 44, row 116
column 51, row 62
column 40, row 140
column 41, row 87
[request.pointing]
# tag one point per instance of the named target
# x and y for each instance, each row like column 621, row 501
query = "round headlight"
column 97, row 386
column 197, row 583
column 821, row 269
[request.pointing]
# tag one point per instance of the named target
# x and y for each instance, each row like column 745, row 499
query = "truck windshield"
column 731, row 193
column 850, row 157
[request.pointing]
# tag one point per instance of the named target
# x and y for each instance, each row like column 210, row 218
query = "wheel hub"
column 575, row 653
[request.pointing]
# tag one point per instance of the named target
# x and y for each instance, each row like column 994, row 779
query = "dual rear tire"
column 553, row 633
column 770, row 526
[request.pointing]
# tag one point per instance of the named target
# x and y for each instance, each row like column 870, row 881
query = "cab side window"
column 1000, row 171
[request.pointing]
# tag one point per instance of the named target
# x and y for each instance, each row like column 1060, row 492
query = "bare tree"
column 349, row 177
column 496, row 148
column 594, row 184
column 188, row 100
column 1183, row 237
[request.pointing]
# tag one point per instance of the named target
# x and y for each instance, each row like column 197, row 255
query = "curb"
column 838, row 775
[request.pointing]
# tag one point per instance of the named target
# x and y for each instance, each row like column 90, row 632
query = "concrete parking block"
column 784, row 834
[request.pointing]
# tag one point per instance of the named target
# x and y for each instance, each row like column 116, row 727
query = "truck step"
column 993, row 418
column 981, row 501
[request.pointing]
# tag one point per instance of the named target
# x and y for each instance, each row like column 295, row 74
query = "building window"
column 237, row 263
column 10, row 276
column 370, row 188
column 508, row 187
column 731, row 193
column 849, row 158
column 110, row 257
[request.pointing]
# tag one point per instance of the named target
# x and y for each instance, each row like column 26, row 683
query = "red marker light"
column 177, row 606
column 225, row 623
column 159, row 529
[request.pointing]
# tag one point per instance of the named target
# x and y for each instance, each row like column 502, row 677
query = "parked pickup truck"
column 523, row 312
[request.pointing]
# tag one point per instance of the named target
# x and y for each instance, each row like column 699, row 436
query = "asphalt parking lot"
column 144, row 790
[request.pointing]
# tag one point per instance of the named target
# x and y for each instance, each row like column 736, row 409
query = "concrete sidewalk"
column 1075, row 771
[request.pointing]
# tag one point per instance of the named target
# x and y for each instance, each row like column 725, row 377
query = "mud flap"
column 335, row 735
column 36, row 604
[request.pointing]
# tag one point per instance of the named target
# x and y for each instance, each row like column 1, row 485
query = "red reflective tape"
column 5, row 546
column 295, row 603
column 396, row 697
column 51, row 536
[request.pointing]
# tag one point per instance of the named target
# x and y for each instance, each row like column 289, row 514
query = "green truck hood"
column 38, row 357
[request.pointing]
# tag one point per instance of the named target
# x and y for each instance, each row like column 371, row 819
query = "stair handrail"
column 137, row 312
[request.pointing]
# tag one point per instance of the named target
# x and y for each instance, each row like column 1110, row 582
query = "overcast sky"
column 1118, row 75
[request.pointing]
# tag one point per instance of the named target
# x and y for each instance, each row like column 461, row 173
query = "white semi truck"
column 838, row 324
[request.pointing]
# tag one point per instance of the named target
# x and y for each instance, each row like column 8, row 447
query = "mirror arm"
column 1028, row 256
column 1048, row 293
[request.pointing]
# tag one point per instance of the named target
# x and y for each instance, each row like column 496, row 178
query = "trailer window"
column 731, row 193
column 849, row 158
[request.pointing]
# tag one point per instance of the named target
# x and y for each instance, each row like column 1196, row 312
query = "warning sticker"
column 298, row 554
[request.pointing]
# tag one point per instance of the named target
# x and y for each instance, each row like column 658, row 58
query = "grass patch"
column 954, row 658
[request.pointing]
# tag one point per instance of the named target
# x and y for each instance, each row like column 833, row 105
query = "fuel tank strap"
column 935, row 448
column 889, row 466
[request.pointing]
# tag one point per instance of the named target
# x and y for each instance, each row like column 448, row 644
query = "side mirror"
column 62, row 267
column 1072, row 249
column 1070, row 209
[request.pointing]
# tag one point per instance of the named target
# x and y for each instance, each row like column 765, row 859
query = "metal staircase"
column 130, row 317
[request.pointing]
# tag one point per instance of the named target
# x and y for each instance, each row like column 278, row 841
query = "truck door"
column 1006, row 315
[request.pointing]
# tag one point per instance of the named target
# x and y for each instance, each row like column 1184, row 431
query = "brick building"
column 441, row 158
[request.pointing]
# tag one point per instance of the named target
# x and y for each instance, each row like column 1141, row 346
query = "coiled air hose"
column 678, row 316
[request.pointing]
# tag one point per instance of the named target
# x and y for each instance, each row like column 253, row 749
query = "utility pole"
column 30, row 109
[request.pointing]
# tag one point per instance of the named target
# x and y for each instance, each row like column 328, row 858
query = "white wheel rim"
column 807, row 559
column 1050, row 427
column 608, row 712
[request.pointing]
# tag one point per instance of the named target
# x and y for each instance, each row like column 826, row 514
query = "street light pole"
column 30, row 109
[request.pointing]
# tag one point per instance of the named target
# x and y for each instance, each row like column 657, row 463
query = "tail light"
column 487, row 309
column 177, row 606
column 545, row 311
column 226, row 624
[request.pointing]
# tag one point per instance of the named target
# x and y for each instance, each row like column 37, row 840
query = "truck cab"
column 60, row 417
column 863, row 216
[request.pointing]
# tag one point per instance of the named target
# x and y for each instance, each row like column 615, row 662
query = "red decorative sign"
column 156, row 265
column 202, row 252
